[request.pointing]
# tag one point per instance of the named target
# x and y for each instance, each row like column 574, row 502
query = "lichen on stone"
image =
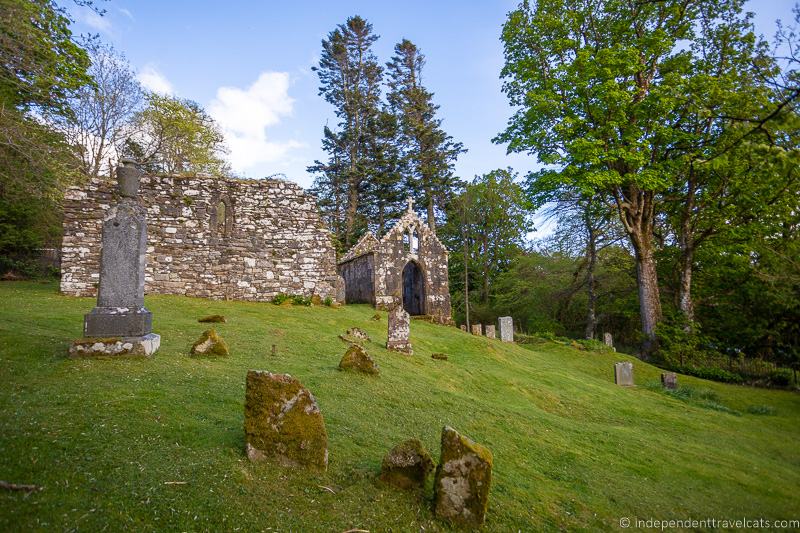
column 463, row 479
column 212, row 319
column 282, row 421
column 407, row 465
column 356, row 358
column 210, row 343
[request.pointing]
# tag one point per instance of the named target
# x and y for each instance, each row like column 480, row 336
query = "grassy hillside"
column 571, row 450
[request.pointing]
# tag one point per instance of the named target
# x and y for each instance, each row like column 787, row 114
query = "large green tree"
column 173, row 135
column 603, row 90
column 42, row 65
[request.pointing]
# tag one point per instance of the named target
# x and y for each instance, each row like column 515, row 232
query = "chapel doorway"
column 413, row 289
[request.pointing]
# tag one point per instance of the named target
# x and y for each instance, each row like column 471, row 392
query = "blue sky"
column 249, row 64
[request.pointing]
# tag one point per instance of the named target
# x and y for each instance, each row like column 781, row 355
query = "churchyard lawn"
column 158, row 444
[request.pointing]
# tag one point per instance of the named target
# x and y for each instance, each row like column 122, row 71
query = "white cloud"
column 245, row 114
column 126, row 12
column 94, row 20
column 152, row 80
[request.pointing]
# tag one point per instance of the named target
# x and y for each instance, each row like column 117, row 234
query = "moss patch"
column 212, row 319
column 356, row 358
column 282, row 420
column 210, row 343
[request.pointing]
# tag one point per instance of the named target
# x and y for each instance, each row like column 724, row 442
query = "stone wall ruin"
column 208, row 237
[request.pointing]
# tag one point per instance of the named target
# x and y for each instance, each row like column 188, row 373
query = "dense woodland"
column 666, row 135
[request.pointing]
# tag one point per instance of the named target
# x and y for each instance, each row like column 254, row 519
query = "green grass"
column 571, row 449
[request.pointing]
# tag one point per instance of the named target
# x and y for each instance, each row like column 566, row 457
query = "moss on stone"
column 407, row 465
column 356, row 358
column 210, row 343
column 463, row 479
column 439, row 356
column 212, row 319
column 376, row 317
column 282, row 420
column 89, row 341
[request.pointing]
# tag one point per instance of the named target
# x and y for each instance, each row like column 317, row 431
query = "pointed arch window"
column 222, row 218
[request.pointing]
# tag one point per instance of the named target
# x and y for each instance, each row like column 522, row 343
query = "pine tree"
column 350, row 80
column 429, row 151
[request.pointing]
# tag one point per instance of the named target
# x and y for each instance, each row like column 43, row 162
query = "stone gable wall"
column 269, row 240
column 389, row 256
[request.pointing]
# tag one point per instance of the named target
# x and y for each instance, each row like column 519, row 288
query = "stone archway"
column 413, row 289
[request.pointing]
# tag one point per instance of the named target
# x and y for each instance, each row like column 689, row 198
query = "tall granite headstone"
column 120, row 324
column 506, row 329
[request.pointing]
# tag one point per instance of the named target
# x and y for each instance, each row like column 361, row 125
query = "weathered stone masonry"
column 208, row 237
column 407, row 266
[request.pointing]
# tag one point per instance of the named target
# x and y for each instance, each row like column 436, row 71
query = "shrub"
column 280, row 298
column 298, row 299
column 328, row 301
column 782, row 377
column 762, row 410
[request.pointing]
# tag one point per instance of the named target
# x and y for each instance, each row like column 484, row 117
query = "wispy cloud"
column 245, row 114
column 152, row 80
column 126, row 12
column 94, row 20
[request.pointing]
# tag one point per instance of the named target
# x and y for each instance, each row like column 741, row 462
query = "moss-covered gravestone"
column 210, row 343
column 356, row 358
column 282, row 421
column 407, row 465
column 463, row 478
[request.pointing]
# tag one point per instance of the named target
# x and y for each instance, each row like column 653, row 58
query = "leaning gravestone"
column 669, row 380
column 623, row 374
column 120, row 324
column 282, row 420
column 477, row 329
column 506, row 329
column 491, row 333
column 463, row 478
column 399, row 331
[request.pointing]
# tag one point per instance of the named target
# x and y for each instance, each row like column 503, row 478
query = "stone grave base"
column 116, row 346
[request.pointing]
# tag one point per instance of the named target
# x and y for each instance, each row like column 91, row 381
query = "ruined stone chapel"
column 240, row 239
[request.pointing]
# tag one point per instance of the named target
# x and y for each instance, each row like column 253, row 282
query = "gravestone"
column 463, row 479
column 477, row 329
column 399, row 331
column 608, row 340
column 669, row 380
column 506, row 329
column 407, row 465
column 282, row 421
column 463, row 327
column 623, row 374
column 120, row 324
column 491, row 332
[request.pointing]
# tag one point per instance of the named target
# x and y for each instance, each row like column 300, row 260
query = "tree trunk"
column 686, row 244
column 591, row 253
column 649, row 298
column 637, row 214
column 466, row 263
